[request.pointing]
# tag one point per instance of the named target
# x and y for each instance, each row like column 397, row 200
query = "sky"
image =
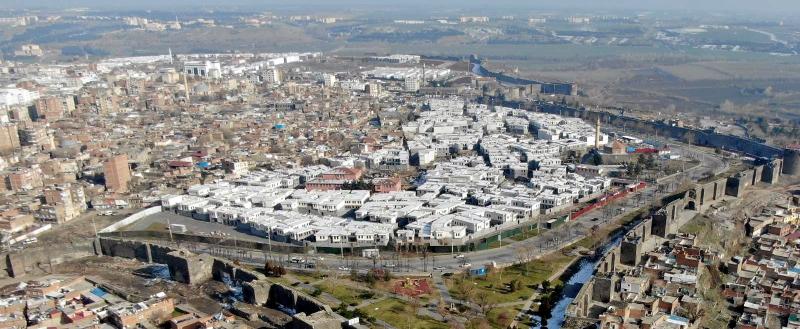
column 784, row 7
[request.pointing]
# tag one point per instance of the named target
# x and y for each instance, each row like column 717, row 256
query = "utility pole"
column 269, row 241
column 169, row 228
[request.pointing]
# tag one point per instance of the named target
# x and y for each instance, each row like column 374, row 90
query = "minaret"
column 186, row 85
column 597, row 133
column 170, row 56
column 423, row 75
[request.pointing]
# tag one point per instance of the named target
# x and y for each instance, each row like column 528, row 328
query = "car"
column 460, row 256
column 389, row 265
column 595, row 219
column 344, row 268
column 440, row 268
column 320, row 258
column 466, row 265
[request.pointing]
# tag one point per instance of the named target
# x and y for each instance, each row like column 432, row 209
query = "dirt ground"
column 119, row 273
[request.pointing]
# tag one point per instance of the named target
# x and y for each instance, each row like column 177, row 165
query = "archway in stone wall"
column 714, row 196
column 691, row 200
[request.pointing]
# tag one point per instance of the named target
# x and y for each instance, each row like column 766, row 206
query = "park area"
column 507, row 285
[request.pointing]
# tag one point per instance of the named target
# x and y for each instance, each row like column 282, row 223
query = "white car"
column 344, row 268
column 460, row 256
column 466, row 265
column 440, row 268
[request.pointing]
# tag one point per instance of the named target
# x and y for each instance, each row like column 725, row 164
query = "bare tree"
column 482, row 299
column 522, row 255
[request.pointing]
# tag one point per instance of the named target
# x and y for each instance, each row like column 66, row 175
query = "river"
column 579, row 277
column 478, row 69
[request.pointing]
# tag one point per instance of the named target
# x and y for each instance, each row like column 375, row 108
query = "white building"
column 411, row 84
column 205, row 69
column 329, row 80
column 273, row 76
column 17, row 96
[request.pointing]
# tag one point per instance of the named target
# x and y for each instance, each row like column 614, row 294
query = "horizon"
column 771, row 7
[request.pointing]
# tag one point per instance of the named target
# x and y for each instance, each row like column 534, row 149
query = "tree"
column 274, row 269
column 522, row 254
column 646, row 160
column 595, row 159
column 633, row 169
column 464, row 289
column 483, row 300
column 504, row 319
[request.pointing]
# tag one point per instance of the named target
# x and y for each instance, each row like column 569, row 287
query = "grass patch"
column 345, row 293
column 177, row 312
column 501, row 317
column 495, row 288
column 158, row 227
column 401, row 315
column 695, row 226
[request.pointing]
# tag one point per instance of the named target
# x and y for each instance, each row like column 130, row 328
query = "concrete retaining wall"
column 132, row 218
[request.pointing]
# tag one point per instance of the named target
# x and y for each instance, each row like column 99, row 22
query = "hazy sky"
column 784, row 7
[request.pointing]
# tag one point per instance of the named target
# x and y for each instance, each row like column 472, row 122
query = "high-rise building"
column 374, row 89
column 273, row 76
column 61, row 205
column 24, row 179
column 117, row 173
column 412, row 84
column 329, row 80
column 9, row 137
column 35, row 134
column 53, row 107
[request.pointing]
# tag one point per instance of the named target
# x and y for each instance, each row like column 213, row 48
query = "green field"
column 345, row 293
column 494, row 286
column 401, row 315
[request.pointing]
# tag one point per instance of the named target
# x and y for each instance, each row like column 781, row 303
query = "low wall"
column 132, row 218
column 31, row 234
column 189, row 238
